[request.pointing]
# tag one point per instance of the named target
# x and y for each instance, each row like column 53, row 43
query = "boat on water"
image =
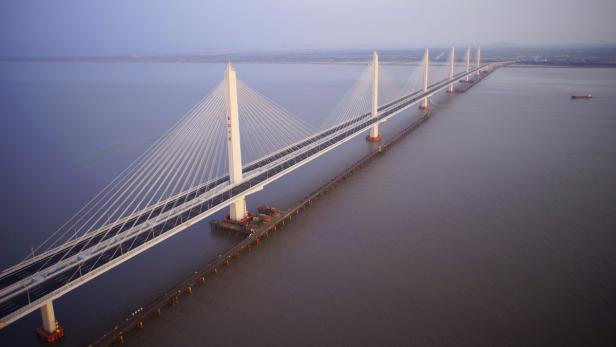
column 588, row 96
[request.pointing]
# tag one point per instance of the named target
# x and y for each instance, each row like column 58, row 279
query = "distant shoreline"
column 547, row 56
column 140, row 60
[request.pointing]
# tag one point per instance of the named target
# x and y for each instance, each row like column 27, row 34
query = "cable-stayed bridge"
column 233, row 143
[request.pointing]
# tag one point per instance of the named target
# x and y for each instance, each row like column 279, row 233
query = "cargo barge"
column 587, row 96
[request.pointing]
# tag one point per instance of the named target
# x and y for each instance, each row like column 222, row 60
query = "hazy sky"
column 56, row 27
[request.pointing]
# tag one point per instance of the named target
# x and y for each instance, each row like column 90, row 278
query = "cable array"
column 389, row 88
column 356, row 102
column 413, row 82
column 191, row 157
column 266, row 127
column 187, row 155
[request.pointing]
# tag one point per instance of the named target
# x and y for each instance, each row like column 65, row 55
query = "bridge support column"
column 374, row 131
column 478, row 60
column 424, row 103
column 468, row 63
column 237, row 210
column 50, row 331
column 452, row 60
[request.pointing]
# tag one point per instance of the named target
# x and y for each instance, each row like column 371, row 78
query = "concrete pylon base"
column 237, row 209
column 243, row 221
column 377, row 138
column 50, row 337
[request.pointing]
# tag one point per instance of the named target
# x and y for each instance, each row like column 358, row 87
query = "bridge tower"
column 426, row 66
column 468, row 63
column 452, row 61
column 374, row 131
column 238, row 207
column 478, row 60
column 50, row 331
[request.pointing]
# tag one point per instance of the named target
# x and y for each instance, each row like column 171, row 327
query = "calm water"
column 493, row 224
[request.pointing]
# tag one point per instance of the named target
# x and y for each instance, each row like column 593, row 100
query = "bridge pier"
column 51, row 330
column 424, row 103
column 374, row 131
column 374, row 135
column 237, row 209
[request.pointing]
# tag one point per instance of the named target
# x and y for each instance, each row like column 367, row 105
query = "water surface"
column 492, row 224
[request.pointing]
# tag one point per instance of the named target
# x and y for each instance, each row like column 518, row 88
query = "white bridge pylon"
column 468, row 64
column 426, row 69
column 237, row 210
column 374, row 109
column 452, row 62
column 478, row 60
